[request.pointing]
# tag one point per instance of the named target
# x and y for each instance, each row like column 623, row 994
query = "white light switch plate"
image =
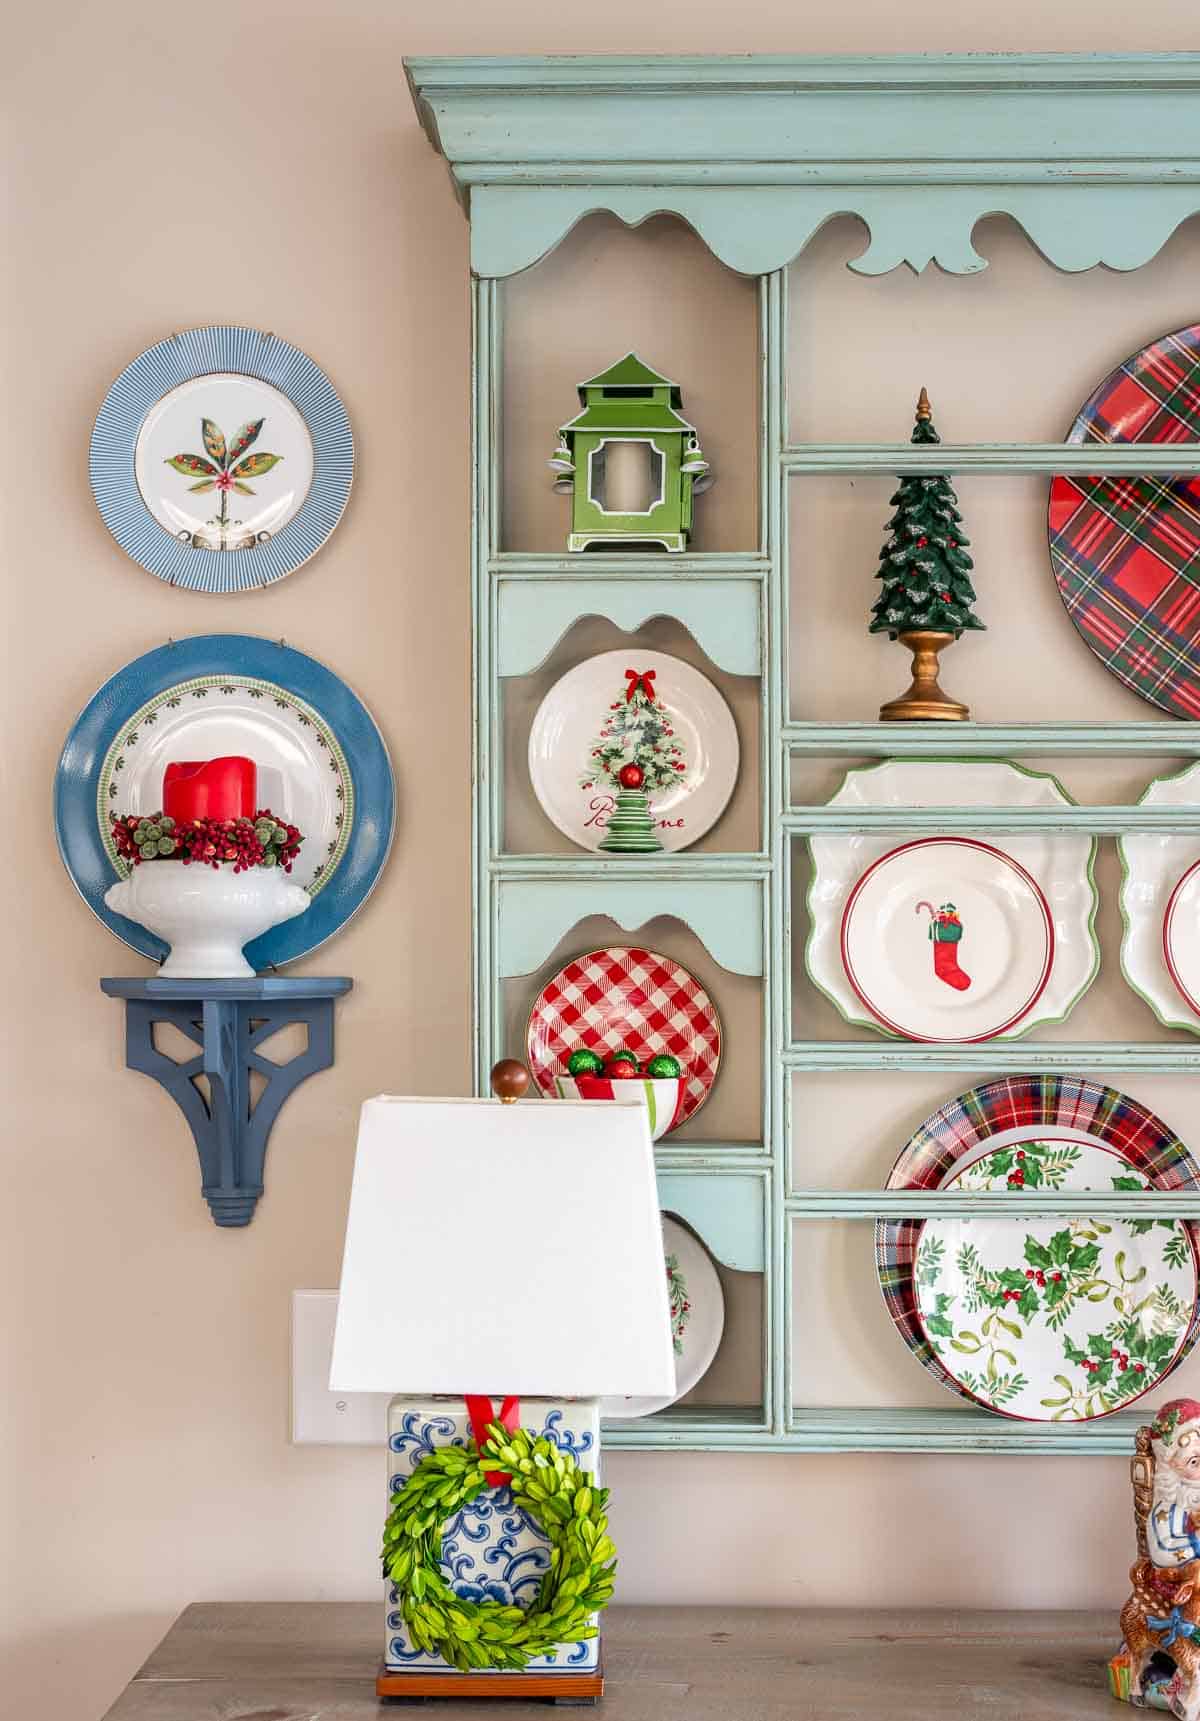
column 321, row 1417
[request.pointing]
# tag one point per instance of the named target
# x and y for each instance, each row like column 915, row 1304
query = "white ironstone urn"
column 206, row 915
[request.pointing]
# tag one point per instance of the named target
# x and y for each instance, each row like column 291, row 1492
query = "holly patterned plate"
column 1126, row 551
column 222, row 459
column 951, row 938
column 638, row 708
column 1160, row 904
column 625, row 998
column 321, row 764
column 697, row 1319
column 1055, row 1320
column 1036, row 1116
column 947, row 938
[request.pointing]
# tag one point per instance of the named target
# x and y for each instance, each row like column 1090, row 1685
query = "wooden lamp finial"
column 510, row 1080
column 924, row 410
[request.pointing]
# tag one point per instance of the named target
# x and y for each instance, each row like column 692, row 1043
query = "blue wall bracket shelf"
column 228, row 1020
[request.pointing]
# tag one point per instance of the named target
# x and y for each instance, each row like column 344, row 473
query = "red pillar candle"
column 210, row 789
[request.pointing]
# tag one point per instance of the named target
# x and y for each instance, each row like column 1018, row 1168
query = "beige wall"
column 262, row 165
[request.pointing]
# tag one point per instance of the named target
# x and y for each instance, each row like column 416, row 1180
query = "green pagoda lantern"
column 630, row 461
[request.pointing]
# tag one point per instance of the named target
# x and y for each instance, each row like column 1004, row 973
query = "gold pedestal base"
column 924, row 701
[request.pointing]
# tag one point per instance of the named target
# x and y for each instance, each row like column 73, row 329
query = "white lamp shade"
column 503, row 1249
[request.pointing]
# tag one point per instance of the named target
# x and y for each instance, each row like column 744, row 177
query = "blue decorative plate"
column 321, row 761
column 222, row 459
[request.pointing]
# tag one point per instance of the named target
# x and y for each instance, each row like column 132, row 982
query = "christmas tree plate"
column 626, row 999
column 1160, row 905
column 697, row 1319
column 981, row 1133
column 969, row 964
column 222, row 459
column 1126, row 551
column 639, row 709
column 321, row 764
column 1055, row 1320
column 884, row 912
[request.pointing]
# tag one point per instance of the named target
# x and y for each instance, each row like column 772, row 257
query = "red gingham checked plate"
column 1126, row 551
column 624, row 997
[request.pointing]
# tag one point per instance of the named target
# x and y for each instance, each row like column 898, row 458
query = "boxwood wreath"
column 550, row 1486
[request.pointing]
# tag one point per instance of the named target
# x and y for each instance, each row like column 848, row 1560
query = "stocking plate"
column 885, row 911
column 947, row 938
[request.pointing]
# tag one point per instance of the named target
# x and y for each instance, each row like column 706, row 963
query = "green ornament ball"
column 624, row 1057
column 664, row 1066
column 585, row 1063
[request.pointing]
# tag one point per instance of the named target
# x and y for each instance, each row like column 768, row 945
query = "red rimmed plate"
column 947, row 938
column 626, row 998
column 1002, row 1115
column 1181, row 937
column 1126, row 551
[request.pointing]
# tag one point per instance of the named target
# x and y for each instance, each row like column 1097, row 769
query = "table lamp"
column 503, row 1270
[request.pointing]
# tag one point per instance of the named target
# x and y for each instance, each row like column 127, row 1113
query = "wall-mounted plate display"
column 697, row 1318
column 623, row 998
column 222, row 459
column 1126, row 551
column 322, row 765
column 642, row 709
column 1160, row 905
column 952, row 938
column 1017, row 1133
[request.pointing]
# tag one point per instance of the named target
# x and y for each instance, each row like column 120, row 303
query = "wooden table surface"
column 316, row 1661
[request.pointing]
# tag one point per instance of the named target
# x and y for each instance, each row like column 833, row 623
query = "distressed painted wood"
column 228, row 1021
column 992, row 740
column 997, row 1057
column 723, row 616
column 726, row 915
column 313, row 1661
column 996, row 458
column 757, row 153
column 726, row 1210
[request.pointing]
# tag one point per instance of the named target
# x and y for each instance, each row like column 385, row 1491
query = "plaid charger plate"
column 961, row 1129
column 1126, row 551
column 624, row 998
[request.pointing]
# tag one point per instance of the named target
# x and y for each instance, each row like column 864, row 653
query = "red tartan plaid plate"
column 961, row 1131
column 1126, row 551
column 625, row 998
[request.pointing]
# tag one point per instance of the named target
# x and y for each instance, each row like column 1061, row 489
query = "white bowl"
column 206, row 915
column 659, row 1095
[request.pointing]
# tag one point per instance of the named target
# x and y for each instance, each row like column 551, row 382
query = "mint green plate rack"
column 756, row 153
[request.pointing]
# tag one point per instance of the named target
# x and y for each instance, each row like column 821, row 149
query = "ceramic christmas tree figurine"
column 1159, row 1663
column 630, row 460
column 636, row 752
column 927, row 592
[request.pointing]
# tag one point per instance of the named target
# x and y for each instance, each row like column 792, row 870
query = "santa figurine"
column 1159, row 1663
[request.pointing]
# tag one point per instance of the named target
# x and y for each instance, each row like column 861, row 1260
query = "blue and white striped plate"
column 242, row 354
column 216, row 671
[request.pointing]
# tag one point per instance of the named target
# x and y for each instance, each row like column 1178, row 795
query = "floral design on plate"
column 222, row 459
column 697, row 1318
column 882, row 937
column 1010, row 1113
column 681, row 1308
column 909, row 970
column 1055, row 1319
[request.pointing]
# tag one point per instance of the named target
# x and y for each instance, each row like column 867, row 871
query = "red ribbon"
column 643, row 681
column 482, row 1415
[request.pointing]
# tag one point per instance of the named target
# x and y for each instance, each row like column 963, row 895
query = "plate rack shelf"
column 756, row 153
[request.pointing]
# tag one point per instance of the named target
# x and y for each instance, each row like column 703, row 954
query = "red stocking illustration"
column 945, row 930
